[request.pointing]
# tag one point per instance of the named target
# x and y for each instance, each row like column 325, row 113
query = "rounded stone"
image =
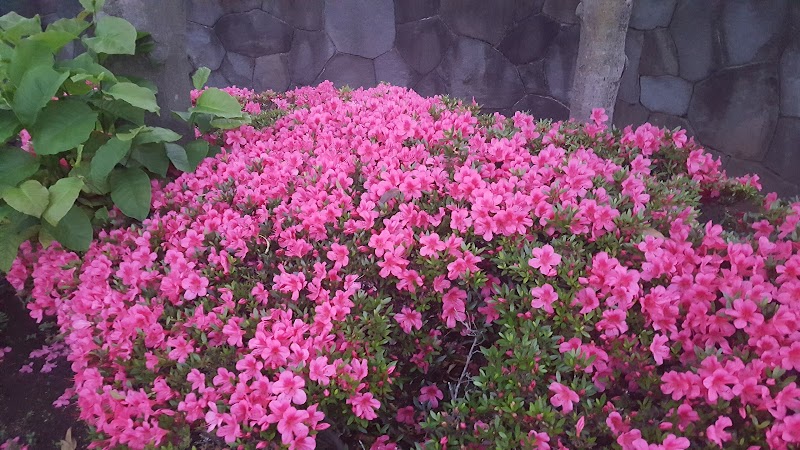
column 485, row 20
column 667, row 94
column 411, row 10
column 361, row 27
column 735, row 110
column 626, row 114
column 217, row 80
column 659, row 55
column 693, row 30
column 308, row 55
column 349, row 70
column 529, row 39
column 559, row 64
column 205, row 13
column 422, row 43
column 562, row 10
column 649, row 14
column 271, row 73
column 752, row 29
column 533, row 77
column 541, row 107
column 238, row 69
column 790, row 81
column 629, row 83
column 203, row 46
column 393, row 69
column 430, row 85
column 253, row 33
column 305, row 15
column 472, row 68
column 784, row 152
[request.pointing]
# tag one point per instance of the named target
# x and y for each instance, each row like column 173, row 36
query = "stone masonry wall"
column 726, row 70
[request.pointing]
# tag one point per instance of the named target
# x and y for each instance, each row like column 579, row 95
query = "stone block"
column 659, row 55
column 304, row 15
column 392, row 68
column 350, row 70
column 667, row 94
column 271, row 72
column 411, row 10
column 361, row 27
column 649, row 14
column 310, row 51
column 253, row 33
column 485, row 20
column 559, row 64
column 542, row 107
column 203, row 46
column 423, row 43
column 529, row 39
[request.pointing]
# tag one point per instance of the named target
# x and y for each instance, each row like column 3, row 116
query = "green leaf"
column 62, row 125
column 54, row 39
column 35, row 90
column 113, row 36
column 177, row 155
column 121, row 110
column 16, row 27
column 196, row 151
column 19, row 229
column 134, row 95
column 186, row 116
column 107, row 156
column 218, row 103
column 74, row 26
column 9, row 126
column 16, row 165
column 156, row 134
column 130, row 134
column 153, row 156
column 93, row 6
column 130, row 191
column 200, row 77
column 62, row 196
column 87, row 64
column 29, row 198
column 27, row 55
column 228, row 124
column 74, row 230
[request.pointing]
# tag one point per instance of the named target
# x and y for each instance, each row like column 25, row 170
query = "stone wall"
column 726, row 70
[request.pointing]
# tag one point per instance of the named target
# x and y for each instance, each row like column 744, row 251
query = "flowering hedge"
column 401, row 270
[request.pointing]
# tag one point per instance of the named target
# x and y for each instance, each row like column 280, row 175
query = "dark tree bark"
column 601, row 56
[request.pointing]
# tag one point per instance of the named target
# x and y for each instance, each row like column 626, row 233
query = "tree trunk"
column 601, row 56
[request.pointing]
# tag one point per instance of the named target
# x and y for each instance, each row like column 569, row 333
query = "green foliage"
column 89, row 148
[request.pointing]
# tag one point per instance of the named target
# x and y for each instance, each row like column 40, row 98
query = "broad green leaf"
column 228, row 124
column 186, row 116
column 113, row 36
column 130, row 134
column 121, row 110
column 74, row 26
column 196, row 151
column 62, row 196
column 36, row 89
column 28, row 54
column 107, row 156
column 200, row 77
column 85, row 63
column 6, row 52
column 218, row 103
column 92, row 6
column 54, row 39
column 153, row 156
column 130, row 191
column 45, row 238
column 29, row 198
column 9, row 126
column 79, row 87
column 214, row 150
column 62, row 125
column 16, row 165
column 134, row 95
column 177, row 155
column 74, row 230
column 156, row 134
column 16, row 27
column 19, row 229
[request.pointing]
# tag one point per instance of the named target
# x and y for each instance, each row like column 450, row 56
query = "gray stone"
column 238, row 69
column 790, row 81
column 670, row 122
column 485, row 20
column 430, row 85
column 310, row 51
column 472, row 68
column 770, row 181
column 271, row 73
column 411, row 10
column 205, row 13
column 305, row 15
column 751, row 29
column 659, row 55
column 784, row 153
column 542, row 107
column 559, row 65
column 529, row 39
column 361, row 27
column 253, row 33
column 238, row 6
column 203, row 46
column 533, row 77
column 735, row 110
column 649, row 14
column 666, row 94
column 392, row 68
column 629, row 83
column 626, row 114
column 693, row 30
column 562, row 10
column 350, row 70
column 217, row 80
column 422, row 43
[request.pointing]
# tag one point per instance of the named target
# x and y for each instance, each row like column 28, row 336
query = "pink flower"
column 659, row 349
column 364, row 405
column 339, row 254
column 289, row 386
column 409, row 318
column 320, row 371
column 544, row 259
column 431, row 394
column 563, row 397
column 406, row 415
column 453, row 307
column 544, row 297
column 716, row 433
column 290, row 421
column 194, row 286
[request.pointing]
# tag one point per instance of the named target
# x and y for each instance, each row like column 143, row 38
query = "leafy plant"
column 84, row 144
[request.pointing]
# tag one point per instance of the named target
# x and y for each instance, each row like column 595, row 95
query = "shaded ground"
column 26, row 399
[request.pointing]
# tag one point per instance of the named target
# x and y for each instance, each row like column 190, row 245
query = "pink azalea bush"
column 399, row 270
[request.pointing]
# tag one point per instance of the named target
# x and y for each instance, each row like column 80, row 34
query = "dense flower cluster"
column 394, row 270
